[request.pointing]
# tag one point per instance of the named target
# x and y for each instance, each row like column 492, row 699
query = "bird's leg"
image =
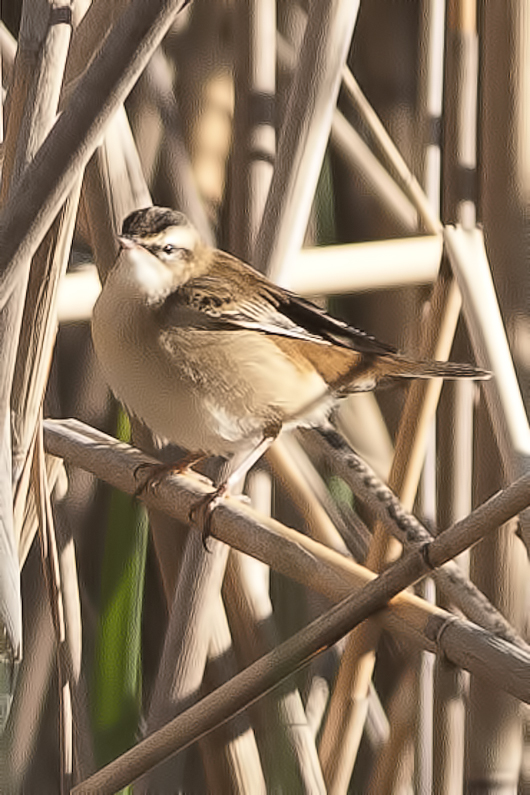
column 201, row 512
column 156, row 472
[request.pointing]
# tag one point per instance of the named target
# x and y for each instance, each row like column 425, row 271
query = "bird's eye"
column 169, row 248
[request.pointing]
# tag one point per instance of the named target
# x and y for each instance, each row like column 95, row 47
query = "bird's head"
column 167, row 235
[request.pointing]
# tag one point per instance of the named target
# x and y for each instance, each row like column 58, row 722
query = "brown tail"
column 397, row 366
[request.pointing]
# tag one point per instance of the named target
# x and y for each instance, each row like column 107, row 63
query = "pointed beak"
column 127, row 242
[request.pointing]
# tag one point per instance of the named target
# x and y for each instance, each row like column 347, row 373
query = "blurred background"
column 449, row 82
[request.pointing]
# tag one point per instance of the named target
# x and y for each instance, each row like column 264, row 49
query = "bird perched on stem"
column 213, row 357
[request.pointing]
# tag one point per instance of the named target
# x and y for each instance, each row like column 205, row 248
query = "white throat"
column 139, row 271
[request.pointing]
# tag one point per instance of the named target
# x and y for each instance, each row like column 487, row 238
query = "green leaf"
column 117, row 679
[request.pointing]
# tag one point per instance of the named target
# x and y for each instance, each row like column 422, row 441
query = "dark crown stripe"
column 151, row 221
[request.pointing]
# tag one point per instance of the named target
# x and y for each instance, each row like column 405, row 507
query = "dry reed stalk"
column 333, row 524
column 394, row 766
column 10, row 607
column 405, row 201
column 356, row 267
column 449, row 743
column 34, row 98
column 373, row 175
column 452, row 582
column 415, row 421
column 286, row 744
column 19, row 741
column 52, row 576
column 35, row 679
column 308, row 485
column 362, row 425
column 176, row 164
column 113, row 187
column 512, row 432
column 460, row 151
column 169, row 537
column 37, row 337
column 44, row 186
column 289, row 552
column 455, row 501
column 284, row 737
column 254, row 144
column 1, row 112
column 237, row 736
column 77, row 294
column 24, row 510
column 38, row 195
column 23, row 69
column 187, row 640
column 317, row 701
column 494, row 737
column 38, row 322
column 284, row 459
column 8, row 48
column 324, row 270
column 89, row 35
column 469, row 260
column 455, row 454
column 431, row 110
column 430, row 102
column 144, row 111
column 270, row 670
column 304, row 134
column 410, row 184
column 422, row 400
column 45, row 85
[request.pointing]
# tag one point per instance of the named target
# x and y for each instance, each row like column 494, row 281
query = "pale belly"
column 209, row 392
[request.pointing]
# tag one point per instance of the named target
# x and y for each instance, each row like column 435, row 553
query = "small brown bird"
column 213, row 357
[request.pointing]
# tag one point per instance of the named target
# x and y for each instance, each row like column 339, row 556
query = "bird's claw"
column 151, row 480
column 157, row 472
column 202, row 512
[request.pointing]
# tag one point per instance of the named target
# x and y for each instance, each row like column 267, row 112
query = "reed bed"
column 358, row 624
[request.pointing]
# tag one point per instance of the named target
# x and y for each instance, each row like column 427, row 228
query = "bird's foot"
column 157, row 472
column 201, row 513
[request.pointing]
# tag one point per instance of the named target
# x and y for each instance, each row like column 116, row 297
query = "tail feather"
column 398, row 366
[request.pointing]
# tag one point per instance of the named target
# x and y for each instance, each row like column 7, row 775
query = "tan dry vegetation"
column 331, row 638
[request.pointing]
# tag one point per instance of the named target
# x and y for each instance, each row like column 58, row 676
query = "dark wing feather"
column 328, row 328
column 235, row 296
